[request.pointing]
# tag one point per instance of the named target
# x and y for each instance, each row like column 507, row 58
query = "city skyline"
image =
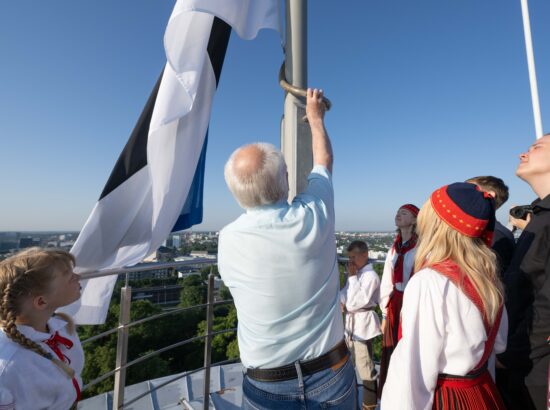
column 424, row 95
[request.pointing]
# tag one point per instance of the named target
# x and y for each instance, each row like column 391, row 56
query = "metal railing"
column 125, row 323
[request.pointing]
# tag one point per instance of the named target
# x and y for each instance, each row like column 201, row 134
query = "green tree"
column 185, row 249
column 233, row 350
column 98, row 361
column 224, row 293
column 100, row 355
column 193, row 291
column 377, row 348
column 342, row 270
column 211, row 268
column 379, row 268
column 221, row 342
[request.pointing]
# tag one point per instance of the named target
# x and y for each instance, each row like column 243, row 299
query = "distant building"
column 67, row 245
column 6, row 247
column 159, row 295
column 202, row 254
column 187, row 271
column 152, row 274
column 380, row 255
column 165, row 254
column 169, row 242
column 28, row 242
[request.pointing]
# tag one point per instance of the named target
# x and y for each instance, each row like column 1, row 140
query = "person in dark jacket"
column 527, row 283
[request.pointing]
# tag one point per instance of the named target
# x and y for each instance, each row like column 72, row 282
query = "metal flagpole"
column 531, row 65
column 295, row 132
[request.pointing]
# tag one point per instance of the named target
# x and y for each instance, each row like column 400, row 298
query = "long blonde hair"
column 29, row 273
column 439, row 242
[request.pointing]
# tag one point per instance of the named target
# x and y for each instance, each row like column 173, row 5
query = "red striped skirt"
column 390, row 336
column 473, row 391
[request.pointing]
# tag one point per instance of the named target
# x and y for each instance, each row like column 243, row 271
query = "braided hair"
column 29, row 273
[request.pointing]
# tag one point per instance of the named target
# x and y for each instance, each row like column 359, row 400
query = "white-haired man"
column 279, row 262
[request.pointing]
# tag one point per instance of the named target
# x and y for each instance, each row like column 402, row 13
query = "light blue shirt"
column 279, row 262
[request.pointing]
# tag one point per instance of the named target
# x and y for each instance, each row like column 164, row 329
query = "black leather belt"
column 288, row 372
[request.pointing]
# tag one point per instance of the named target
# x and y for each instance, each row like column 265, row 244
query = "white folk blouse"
column 34, row 382
column 386, row 287
column 443, row 332
column 362, row 291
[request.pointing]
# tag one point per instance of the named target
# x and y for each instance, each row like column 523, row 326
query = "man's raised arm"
column 320, row 143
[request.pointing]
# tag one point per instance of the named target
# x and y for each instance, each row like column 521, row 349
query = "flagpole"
column 295, row 133
column 531, row 65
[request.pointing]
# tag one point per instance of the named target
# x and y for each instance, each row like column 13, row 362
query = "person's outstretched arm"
column 320, row 142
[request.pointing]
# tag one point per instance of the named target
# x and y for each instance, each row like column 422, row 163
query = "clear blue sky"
column 425, row 93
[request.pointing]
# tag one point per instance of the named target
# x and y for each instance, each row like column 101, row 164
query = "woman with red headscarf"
column 397, row 272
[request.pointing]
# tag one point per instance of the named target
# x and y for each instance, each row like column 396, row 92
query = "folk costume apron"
column 475, row 390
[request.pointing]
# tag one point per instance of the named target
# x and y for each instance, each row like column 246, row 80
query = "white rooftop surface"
column 183, row 393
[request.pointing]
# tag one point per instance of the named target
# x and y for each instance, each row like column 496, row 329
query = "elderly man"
column 279, row 262
column 527, row 283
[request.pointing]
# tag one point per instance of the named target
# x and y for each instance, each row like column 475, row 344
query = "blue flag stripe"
column 191, row 213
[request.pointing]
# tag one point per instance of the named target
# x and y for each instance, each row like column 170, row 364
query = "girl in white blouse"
column 452, row 320
column 398, row 269
column 40, row 354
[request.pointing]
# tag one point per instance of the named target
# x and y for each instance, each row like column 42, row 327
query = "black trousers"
column 511, row 386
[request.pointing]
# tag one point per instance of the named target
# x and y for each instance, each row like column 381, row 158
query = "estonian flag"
column 156, row 185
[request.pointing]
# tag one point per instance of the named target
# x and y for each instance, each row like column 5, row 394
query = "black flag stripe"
column 217, row 45
column 134, row 155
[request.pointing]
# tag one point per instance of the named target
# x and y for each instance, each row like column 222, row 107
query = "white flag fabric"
column 154, row 178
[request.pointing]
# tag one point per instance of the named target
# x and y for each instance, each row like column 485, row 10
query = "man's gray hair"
column 266, row 185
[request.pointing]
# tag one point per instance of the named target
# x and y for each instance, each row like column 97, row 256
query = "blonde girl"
column 40, row 354
column 452, row 320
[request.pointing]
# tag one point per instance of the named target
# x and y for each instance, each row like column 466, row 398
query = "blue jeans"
column 327, row 389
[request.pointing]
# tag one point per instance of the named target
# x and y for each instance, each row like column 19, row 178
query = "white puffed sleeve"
column 415, row 363
column 386, row 285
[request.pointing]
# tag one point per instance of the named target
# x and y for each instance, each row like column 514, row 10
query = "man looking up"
column 503, row 239
column 279, row 262
column 527, row 283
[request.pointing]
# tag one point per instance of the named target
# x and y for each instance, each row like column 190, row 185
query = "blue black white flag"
column 156, row 185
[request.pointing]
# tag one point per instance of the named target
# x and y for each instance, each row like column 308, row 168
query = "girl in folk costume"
column 397, row 272
column 40, row 354
column 452, row 320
